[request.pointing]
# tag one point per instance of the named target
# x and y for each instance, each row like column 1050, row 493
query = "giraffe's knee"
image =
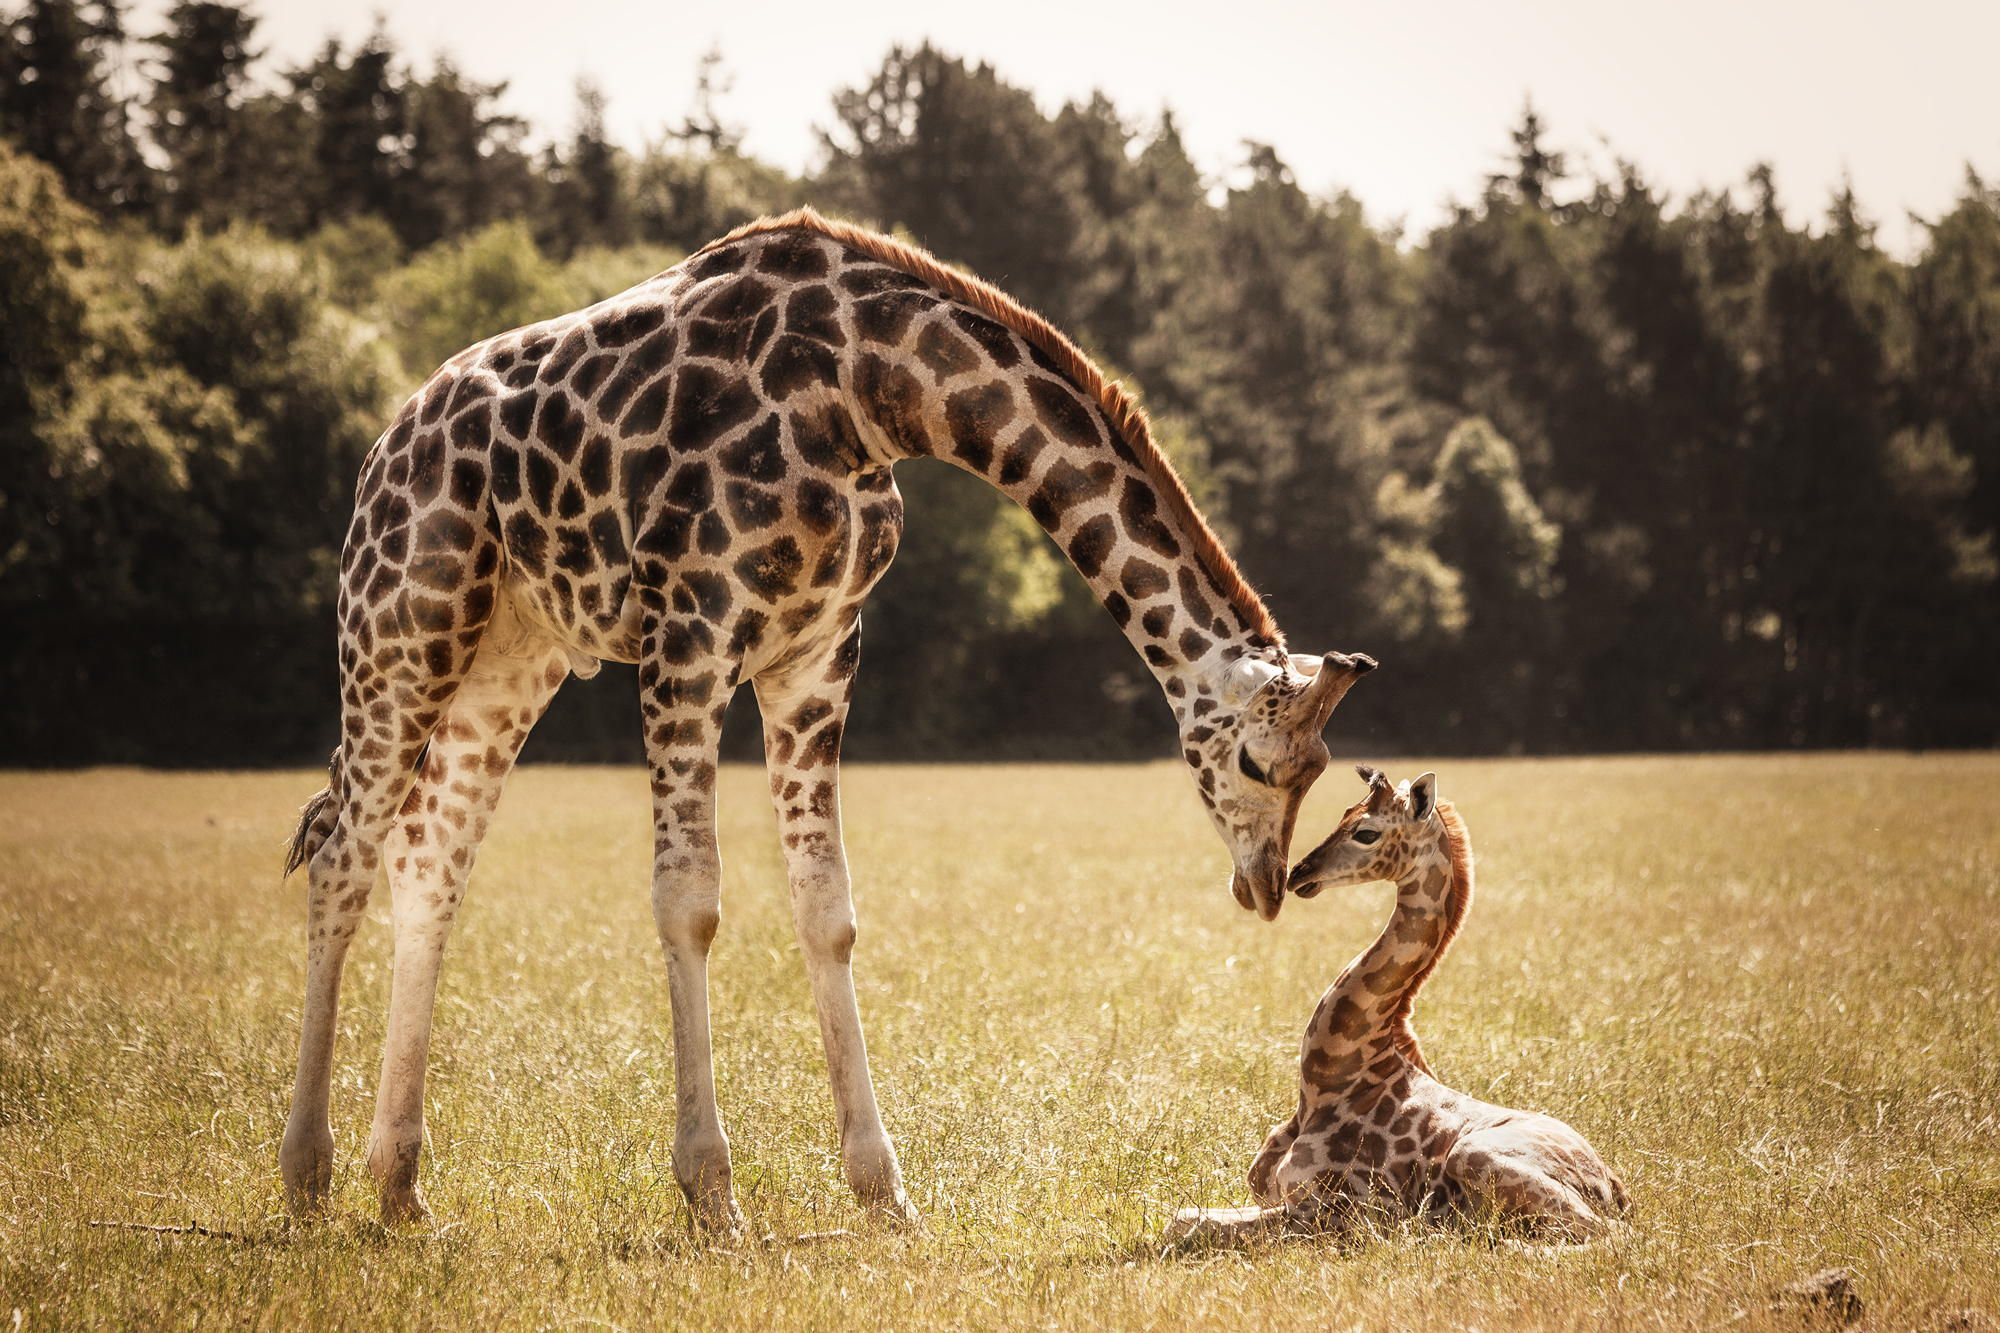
column 828, row 936
column 823, row 911
column 687, row 902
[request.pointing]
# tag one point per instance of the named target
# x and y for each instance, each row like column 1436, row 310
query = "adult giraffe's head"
column 1254, row 754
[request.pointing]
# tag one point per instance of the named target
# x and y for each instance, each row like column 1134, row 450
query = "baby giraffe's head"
column 1384, row 835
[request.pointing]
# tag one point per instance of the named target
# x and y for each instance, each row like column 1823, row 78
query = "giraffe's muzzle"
column 1261, row 889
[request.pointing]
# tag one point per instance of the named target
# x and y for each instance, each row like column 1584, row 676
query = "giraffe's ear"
column 1423, row 796
column 1327, row 682
column 1244, row 678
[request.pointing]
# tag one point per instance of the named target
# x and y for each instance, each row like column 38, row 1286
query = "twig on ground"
column 191, row 1229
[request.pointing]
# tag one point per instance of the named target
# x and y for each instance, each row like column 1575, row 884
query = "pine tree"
column 196, row 111
column 357, row 124
column 57, row 101
column 590, row 199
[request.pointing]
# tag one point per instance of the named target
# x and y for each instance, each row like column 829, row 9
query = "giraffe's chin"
column 1251, row 896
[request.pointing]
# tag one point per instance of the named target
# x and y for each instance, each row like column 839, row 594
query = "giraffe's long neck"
column 1375, row 993
column 960, row 387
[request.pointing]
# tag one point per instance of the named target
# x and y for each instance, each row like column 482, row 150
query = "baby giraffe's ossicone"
column 1373, row 1129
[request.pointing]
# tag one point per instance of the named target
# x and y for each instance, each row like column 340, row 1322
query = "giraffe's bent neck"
column 1109, row 500
column 1376, row 992
column 940, row 364
column 1111, row 521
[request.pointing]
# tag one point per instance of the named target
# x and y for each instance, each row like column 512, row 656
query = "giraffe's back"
column 677, row 461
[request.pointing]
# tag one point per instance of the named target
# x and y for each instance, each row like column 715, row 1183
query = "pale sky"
column 1405, row 104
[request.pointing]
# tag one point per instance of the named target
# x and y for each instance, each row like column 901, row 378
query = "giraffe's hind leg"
column 1276, row 1145
column 388, row 714
column 429, row 854
column 1310, row 1215
column 1222, row 1228
column 1512, row 1182
column 404, row 648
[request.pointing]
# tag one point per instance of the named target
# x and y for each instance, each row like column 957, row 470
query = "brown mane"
column 1127, row 418
column 1457, row 899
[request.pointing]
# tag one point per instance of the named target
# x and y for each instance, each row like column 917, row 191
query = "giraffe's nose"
column 1306, row 879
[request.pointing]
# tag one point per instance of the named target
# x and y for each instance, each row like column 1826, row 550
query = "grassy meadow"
column 1768, row 989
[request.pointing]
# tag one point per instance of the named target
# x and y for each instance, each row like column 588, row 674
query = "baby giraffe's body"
column 1373, row 1129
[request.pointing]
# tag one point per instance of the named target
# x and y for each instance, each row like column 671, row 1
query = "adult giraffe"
column 694, row 475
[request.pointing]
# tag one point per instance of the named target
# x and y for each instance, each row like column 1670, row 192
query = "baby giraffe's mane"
column 1458, row 898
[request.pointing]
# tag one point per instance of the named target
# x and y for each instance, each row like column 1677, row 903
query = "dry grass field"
column 1767, row 988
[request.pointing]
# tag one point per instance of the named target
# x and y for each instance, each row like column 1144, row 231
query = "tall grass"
column 1766, row 988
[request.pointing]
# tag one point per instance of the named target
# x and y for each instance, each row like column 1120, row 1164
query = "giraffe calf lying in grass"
column 1374, row 1131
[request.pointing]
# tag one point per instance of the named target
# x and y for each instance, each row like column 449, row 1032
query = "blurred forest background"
column 1589, row 468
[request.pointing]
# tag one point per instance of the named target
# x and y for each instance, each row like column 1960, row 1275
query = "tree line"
column 1589, row 467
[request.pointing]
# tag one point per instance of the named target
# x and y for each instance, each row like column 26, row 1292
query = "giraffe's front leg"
column 804, row 715
column 683, row 708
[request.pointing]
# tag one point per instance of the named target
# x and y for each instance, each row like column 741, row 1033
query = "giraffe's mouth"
column 1307, row 878
column 1261, row 891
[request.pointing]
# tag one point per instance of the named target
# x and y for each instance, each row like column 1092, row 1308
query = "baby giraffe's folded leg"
column 1276, row 1144
column 1203, row 1228
column 1219, row 1228
column 1501, row 1177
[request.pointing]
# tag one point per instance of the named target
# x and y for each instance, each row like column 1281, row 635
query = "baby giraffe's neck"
column 1374, row 995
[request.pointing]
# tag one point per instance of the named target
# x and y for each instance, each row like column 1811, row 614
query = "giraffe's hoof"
column 305, row 1160
column 402, row 1207
column 305, row 1205
column 719, row 1220
column 394, row 1167
column 896, row 1210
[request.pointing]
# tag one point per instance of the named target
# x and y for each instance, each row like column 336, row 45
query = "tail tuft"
column 316, row 819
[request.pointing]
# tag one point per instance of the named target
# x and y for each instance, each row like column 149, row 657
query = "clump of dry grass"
column 1764, row 987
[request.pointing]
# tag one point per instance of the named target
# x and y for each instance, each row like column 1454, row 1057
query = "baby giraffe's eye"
column 1364, row 836
column 1249, row 769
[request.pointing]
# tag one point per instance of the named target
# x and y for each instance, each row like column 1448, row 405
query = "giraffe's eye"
column 1364, row 836
column 1249, row 768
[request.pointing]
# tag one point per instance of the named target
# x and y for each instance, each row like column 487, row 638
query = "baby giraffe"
column 1374, row 1130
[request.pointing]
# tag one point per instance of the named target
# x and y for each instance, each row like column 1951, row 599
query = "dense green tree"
column 247, row 316
column 1537, row 169
column 46, row 242
column 1270, row 350
column 1486, row 527
column 459, row 292
column 1949, row 463
column 1592, row 467
column 1954, row 319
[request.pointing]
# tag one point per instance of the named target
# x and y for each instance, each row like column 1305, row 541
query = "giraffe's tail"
column 316, row 820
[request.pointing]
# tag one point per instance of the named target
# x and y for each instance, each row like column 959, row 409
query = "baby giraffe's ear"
column 1423, row 796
